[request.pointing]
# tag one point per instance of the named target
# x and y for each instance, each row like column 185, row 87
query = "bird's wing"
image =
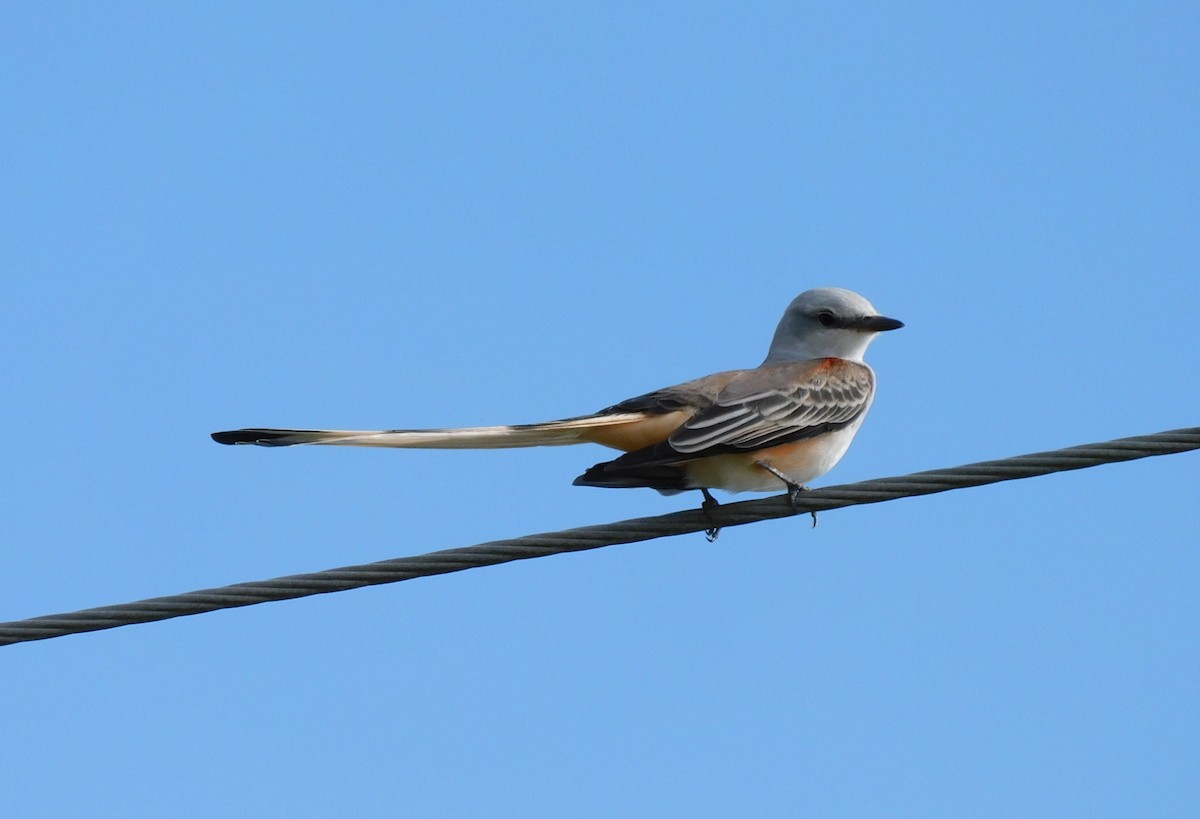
column 777, row 405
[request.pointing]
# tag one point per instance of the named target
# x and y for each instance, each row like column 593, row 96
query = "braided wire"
column 593, row 537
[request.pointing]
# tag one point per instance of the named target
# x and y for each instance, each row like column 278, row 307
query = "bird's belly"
column 801, row 461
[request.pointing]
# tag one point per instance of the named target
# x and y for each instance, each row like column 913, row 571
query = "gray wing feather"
column 778, row 404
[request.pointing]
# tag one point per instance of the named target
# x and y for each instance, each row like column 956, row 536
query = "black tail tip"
column 261, row 437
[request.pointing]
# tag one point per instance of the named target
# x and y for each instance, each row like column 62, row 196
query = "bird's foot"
column 710, row 503
column 794, row 489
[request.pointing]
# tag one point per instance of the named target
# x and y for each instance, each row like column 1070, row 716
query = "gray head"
column 828, row 322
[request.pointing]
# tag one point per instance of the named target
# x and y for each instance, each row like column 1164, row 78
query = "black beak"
column 877, row 324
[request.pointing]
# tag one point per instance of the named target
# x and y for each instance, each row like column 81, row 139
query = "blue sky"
column 376, row 215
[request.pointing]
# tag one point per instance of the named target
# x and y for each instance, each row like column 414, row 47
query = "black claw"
column 710, row 503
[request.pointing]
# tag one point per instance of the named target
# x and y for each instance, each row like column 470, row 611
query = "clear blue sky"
column 380, row 215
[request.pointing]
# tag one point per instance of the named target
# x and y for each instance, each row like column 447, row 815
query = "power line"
column 593, row 537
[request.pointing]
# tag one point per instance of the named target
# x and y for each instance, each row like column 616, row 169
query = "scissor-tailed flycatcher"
column 783, row 423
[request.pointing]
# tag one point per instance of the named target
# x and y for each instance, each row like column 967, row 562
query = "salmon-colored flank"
column 741, row 471
column 650, row 430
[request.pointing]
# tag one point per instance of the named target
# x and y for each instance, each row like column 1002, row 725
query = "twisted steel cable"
column 593, row 537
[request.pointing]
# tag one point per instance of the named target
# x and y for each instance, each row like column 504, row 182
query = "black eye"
column 826, row 318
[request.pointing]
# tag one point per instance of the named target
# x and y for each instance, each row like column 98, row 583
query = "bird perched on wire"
column 779, row 425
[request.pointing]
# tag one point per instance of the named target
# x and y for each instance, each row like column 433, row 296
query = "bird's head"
column 827, row 322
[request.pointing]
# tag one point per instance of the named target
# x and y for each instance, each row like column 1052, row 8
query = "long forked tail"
column 553, row 433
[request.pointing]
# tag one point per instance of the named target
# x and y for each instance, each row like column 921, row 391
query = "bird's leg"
column 794, row 489
column 710, row 503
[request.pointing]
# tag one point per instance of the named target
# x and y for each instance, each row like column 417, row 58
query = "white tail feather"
column 554, row 433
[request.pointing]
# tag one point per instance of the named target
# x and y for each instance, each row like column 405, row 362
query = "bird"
column 779, row 425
